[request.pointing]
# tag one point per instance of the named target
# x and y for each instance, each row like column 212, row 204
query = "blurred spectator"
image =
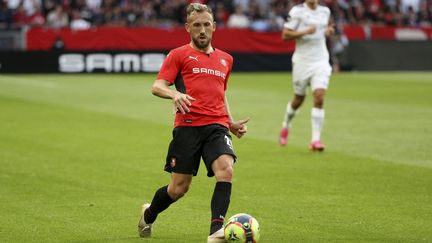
column 198, row 1
column 13, row 4
column 238, row 19
column 77, row 22
column 260, row 15
column 259, row 21
column 425, row 14
column 221, row 15
column 338, row 49
column 372, row 9
column 5, row 15
column 410, row 5
column 57, row 18
column 410, row 17
column 244, row 4
column 94, row 5
column 19, row 16
column 36, row 18
column 276, row 17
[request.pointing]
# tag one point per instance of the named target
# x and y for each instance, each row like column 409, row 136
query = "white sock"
column 289, row 115
column 317, row 120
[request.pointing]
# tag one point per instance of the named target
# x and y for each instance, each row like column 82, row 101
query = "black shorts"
column 189, row 144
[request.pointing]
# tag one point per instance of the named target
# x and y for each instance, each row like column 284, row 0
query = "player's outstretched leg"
column 149, row 213
column 219, row 206
column 144, row 229
column 284, row 132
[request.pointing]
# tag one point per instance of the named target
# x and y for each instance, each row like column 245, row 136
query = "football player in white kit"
column 309, row 24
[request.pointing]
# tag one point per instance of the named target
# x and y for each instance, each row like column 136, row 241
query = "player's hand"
column 310, row 30
column 330, row 30
column 181, row 102
column 239, row 128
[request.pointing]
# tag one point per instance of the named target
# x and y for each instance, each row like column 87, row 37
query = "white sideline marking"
column 27, row 82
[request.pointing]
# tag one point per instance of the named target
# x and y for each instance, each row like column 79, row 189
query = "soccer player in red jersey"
column 202, row 123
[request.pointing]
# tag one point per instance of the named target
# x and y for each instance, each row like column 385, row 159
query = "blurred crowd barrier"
column 116, row 38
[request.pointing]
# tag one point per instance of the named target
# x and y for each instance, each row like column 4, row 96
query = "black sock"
column 160, row 202
column 219, row 205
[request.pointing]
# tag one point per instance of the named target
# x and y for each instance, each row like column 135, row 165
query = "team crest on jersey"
column 223, row 62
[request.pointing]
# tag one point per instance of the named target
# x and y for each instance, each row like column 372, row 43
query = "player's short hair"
column 197, row 8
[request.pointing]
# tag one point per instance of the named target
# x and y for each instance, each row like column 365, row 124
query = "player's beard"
column 202, row 43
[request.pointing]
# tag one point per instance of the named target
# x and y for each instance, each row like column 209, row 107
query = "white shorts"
column 317, row 75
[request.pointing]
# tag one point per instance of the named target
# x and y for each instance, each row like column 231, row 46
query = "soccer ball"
column 242, row 228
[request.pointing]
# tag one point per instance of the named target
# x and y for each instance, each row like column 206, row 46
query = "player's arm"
column 291, row 30
column 238, row 128
column 290, row 34
column 181, row 102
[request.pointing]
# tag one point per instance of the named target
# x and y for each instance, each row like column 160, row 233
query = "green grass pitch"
column 79, row 154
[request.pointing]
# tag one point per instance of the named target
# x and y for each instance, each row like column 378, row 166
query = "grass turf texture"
column 79, row 154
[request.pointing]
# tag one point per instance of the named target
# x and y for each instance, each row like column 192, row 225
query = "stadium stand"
column 261, row 15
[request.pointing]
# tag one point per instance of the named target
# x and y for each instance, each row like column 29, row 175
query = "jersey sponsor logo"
column 106, row 62
column 209, row 71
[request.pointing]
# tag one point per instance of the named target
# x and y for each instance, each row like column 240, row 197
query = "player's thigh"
column 218, row 142
column 184, row 151
column 301, row 75
column 321, row 77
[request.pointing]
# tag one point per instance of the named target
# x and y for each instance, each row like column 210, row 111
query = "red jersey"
column 202, row 76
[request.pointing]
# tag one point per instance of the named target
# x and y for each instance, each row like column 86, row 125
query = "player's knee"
column 319, row 101
column 223, row 168
column 225, row 173
column 178, row 191
column 228, row 173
